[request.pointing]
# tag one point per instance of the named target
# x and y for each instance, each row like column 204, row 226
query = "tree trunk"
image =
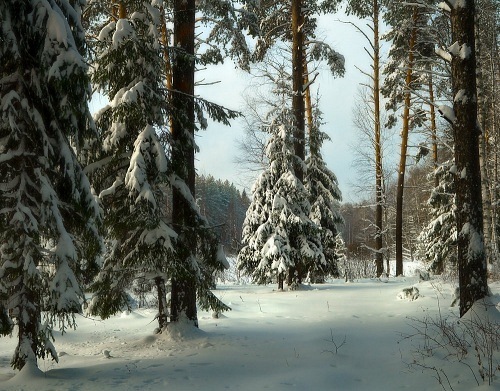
column 28, row 323
column 183, row 299
column 404, row 148
column 471, row 253
column 433, row 125
column 165, row 40
column 379, row 186
column 298, row 102
column 308, row 103
column 162, row 303
column 483, row 156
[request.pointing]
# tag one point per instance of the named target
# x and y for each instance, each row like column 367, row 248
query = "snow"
column 56, row 28
column 461, row 97
column 124, row 30
column 465, row 51
column 106, row 30
column 454, row 49
column 447, row 112
column 444, row 7
column 332, row 336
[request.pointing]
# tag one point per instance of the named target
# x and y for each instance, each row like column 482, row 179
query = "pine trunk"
column 433, row 125
column 298, row 104
column 404, row 148
column 379, row 189
column 183, row 299
column 471, row 252
column 308, row 103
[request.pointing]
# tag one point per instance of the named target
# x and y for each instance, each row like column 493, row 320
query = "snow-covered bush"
column 472, row 341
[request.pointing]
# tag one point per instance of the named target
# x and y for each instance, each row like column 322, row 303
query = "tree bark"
column 162, row 303
column 298, row 104
column 471, row 253
column 165, row 40
column 404, row 148
column 28, row 323
column 183, row 298
column 433, row 125
column 298, row 78
column 379, row 185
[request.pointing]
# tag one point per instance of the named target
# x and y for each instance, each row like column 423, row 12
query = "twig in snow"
column 337, row 346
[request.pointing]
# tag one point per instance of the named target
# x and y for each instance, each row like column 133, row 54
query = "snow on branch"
column 444, row 6
column 445, row 55
column 448, row 113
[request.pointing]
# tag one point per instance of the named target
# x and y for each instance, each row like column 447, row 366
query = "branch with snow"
column 447, row 113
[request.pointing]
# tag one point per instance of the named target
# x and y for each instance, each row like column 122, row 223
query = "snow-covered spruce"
column 325, row 196
column 130, row 170
column 49, row 218
column 279, row 238
column 438, row 239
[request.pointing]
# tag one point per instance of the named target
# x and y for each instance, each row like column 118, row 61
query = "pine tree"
column 409, row 53
column 131, row 170
column 278, row 235
column 48, row 216
column 373, row 9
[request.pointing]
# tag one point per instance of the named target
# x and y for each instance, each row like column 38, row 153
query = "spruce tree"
column 324, row 196
column 438, row 239
column 131, row 169
column 278, row 235
column 48, row 215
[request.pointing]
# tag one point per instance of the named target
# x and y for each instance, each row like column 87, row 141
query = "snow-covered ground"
column 333, row 336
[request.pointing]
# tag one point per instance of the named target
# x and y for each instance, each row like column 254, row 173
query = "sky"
column 218, row 144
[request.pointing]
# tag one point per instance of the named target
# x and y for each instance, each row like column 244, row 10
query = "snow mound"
column 409, row 294
column 29, row 374
column 182, row 331
column 131, row 315
column 484, row 311
column 422, row 275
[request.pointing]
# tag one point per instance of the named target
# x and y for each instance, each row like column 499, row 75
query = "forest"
column 98, row 206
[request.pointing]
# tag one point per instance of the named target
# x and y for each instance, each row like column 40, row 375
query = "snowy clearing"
column 335, row 336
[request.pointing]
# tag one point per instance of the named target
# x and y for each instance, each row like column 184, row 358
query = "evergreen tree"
column 439, row 238
column 48, row 216
column 131, row 168
column 409, row 51
column 278, row 235
column 325, row 196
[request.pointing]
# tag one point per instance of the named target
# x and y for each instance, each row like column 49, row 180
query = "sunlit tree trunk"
column 295, row 275
column 183, row 299
column 379, row 185
column 433, row 125
column 165, row 40
column 404, row 148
